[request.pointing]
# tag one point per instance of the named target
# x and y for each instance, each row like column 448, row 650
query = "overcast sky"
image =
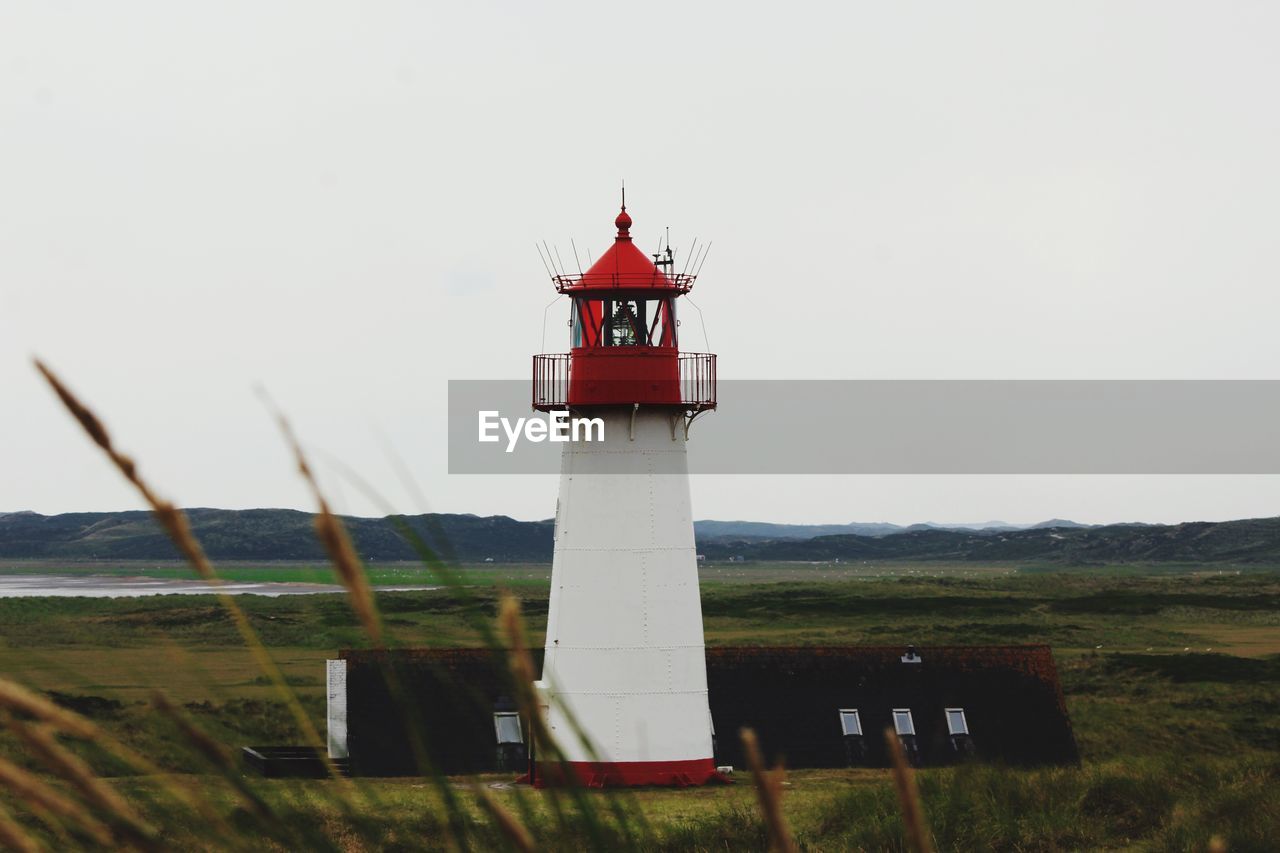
column 340, row 201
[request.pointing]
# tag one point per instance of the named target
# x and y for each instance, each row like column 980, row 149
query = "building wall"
column 791, row 696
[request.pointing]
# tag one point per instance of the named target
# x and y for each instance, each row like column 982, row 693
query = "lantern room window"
column 605, row 322
column 626, row 324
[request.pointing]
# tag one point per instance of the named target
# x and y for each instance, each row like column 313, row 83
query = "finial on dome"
column 624, row 219
column 624, row 223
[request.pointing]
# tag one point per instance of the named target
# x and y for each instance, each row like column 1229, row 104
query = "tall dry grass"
column 350, row 572
column 42, row 743
column 175, row 523
column 904, row 783
column 768, row 786
column 13, row 836
column 336, row 540
column 92, row 811
column 53, row 806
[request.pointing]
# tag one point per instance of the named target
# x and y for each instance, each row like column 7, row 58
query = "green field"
column 380, row 574
column 1172, row 680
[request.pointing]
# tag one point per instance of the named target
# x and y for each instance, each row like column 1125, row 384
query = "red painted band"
column 610, row 774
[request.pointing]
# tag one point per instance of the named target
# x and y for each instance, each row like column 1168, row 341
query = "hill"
column 708, row 531
column 266, row 534
column 1247, row 541
column 282, row 534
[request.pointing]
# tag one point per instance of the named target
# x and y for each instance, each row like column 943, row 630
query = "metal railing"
column 697, row 379
column 551, row 380
column 679, row 282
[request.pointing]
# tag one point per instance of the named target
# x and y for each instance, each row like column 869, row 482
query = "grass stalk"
column 28, row 788
column 904, row 783
column 13, row 836
column 175, row 523
column 69, row 767
column 768, row 794
column 16, row 698
column 510, row 827
column 336, row 540
column 216, row 755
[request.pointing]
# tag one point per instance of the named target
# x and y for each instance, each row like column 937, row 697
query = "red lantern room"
column 624, row 348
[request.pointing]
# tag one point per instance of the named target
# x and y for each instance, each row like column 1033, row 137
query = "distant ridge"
column 1247, row 541
column 713, row 530
column 266, row 534
column 283, row 534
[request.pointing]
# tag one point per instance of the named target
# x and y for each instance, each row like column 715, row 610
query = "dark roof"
column 791, row 696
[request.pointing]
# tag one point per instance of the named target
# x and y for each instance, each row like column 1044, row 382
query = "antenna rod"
column 704, row 259
column 544, row 261
column 575, row 255
column 550, row 257
column 689, row 257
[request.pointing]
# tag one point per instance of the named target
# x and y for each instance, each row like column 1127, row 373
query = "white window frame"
column 498, row 716
column 964, row 721
column 911, row 723
column 857, row 722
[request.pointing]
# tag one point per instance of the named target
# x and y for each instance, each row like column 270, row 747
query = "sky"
column 338, row 204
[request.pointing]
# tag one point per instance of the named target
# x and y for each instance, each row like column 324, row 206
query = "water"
column 105, row 586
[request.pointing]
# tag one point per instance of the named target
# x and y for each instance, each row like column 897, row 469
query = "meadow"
column 1172, row 679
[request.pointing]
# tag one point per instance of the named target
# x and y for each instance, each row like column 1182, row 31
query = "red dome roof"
column 623, row 266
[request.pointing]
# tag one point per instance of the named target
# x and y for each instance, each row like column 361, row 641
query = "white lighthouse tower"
column 625, row 664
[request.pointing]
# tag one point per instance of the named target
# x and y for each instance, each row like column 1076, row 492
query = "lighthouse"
column 624, row 679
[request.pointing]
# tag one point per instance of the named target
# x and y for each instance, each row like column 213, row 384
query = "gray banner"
column 927, row 427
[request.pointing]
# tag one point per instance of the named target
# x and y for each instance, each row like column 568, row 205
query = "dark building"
column 811, row 707
column 829, row 706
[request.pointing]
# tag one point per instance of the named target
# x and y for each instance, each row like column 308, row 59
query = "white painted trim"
column 336, row 691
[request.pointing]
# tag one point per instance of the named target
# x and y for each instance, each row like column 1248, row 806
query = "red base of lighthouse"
column 621, row 774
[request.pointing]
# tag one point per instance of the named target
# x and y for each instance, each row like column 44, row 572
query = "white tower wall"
column 625, row 653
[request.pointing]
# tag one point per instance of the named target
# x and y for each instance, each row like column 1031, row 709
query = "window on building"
column 507, row 726
column 902, row 722
column 850, row 723
column 956, row 723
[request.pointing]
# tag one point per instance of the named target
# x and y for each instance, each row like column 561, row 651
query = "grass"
column 1076, row 613
column 385, row 574
column 1177, row 744
column 1145, row 804
column 1181, row 746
